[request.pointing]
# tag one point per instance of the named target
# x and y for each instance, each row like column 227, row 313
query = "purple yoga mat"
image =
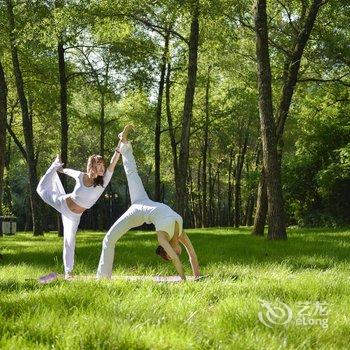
column 166, row 279
column 48, row 278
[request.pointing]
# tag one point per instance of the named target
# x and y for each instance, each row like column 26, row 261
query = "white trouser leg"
column 136, row 188
column 50, row 188
column 131, row 218
column 70, row 227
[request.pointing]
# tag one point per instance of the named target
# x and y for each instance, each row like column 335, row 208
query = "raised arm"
column 184, row 239
column 114, row 159
column 172, row 254
column 70, row 172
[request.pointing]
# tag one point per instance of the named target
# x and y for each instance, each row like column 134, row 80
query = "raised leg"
column 50, row 188
column 136, row 188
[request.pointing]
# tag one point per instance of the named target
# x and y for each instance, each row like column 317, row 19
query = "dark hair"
column 92, row 161
column 162, row 253
column 98, row 181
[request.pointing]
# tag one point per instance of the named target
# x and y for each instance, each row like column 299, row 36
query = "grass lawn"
column 309, row 273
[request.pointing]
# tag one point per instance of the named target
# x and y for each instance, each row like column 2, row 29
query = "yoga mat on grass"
column 51, row 277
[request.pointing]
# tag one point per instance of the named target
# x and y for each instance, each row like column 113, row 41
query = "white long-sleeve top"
column 85, row 196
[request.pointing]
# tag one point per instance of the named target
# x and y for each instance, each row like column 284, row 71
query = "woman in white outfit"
column 167, row 222
column 89, row 187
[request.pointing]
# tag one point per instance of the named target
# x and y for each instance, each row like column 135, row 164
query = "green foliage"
column 6, row 210
column 317, row 173
column 113, row 53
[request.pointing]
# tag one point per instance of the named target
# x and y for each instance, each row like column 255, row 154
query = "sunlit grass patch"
column 219, row 312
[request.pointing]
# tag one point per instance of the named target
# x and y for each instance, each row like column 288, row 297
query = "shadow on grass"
column 304, row 249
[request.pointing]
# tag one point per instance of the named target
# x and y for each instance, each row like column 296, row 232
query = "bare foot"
column 58, row 160
column 123, row 136
column 68, row 276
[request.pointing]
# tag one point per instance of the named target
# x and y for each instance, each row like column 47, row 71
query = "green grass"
column 220, row 312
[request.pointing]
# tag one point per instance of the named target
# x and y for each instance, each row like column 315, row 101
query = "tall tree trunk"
column 261, row 202
column 276, row 220
column 210, row 218
column 7, row 195
column 3, row 120
column 293, row 67
column 261, row 207
column 102, row 207
column 187, row 111
column 103, row 89
column 171, row 126
column 218, row 188
column 230, row 188
column 199, row 196
column 204, row 211
column 63, row 103
column 28, row 218
column 237, row 211
column 290, row 77
column 27, row 126
column 252, row 196
column 248, row 219
column 192, row 199
column 238, row 178
column 102, row 123
column 157, row 183
column 64, row 119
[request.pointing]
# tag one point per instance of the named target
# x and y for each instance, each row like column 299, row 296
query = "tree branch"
column 279, row 47
column 157, row 28
column 16, row 140
column 86, row 47
column 289, row 16
column 320, row 80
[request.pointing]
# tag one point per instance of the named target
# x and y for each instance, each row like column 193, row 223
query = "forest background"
column 194, row 78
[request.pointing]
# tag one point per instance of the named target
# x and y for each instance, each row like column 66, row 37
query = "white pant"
column 142, row 210
column 50, row 189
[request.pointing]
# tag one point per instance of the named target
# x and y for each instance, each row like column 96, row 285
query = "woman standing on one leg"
column 167, row 222
column 89, row 187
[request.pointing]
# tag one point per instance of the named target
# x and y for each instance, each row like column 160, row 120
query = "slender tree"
column 276, row 220
column 187, row 110
column 26, row 124
column 3, row 119
column 261, row 207
column 63, row 99
column 170, row 124
column 63, row 114
column 290, row 78
column 157, row 182
column 231, row 170
column 204, row 211
column 238, row 178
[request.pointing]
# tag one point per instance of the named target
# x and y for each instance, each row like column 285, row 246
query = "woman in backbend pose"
column 88, row 188
column 167, row 222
